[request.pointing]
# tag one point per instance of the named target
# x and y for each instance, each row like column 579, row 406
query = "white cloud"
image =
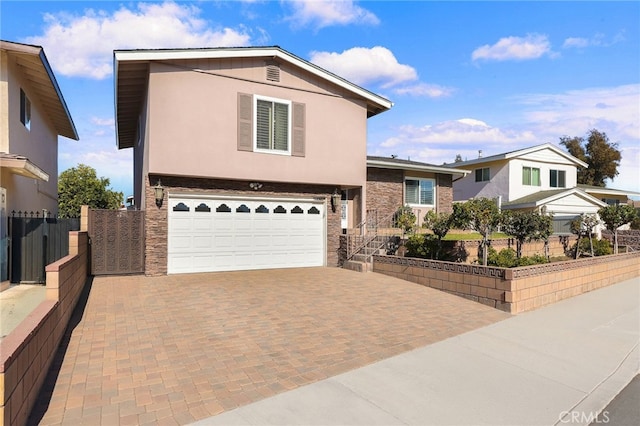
column 106, row 122
column 597, row 40
column 326, row 13
column 577, row 42
column 82, row 45
column 613, row 110
column 426, row 90
column 364, row 66
column 443, row 141
column 532, row 46
column 546, row 118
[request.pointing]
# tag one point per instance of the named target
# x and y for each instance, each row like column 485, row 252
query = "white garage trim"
column 209, row 233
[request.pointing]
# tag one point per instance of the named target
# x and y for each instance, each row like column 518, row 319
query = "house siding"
column 39, row 144
column 193, row 126
column 156, row 221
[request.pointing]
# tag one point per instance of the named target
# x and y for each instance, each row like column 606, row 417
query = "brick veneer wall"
column 27, row 352
column 384, row 190
column 156, row 220
column 444, row 193
column 514, row 290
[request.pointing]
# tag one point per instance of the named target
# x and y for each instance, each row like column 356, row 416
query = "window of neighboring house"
column 483, row 175
column 611, row 201
column 557, row 179
column 420, row 192
column 531, row 176
column 25, row 110
column 272, row 125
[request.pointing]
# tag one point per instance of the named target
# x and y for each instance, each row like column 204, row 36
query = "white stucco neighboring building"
column 541, row 177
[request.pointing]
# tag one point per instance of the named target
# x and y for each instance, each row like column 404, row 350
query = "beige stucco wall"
column 39, row 144
column 192, row 130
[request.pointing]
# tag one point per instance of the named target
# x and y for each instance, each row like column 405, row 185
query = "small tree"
column 80, row 186
column 481, row 215
column 439, row 224
column 521, row 225
column 583, row 226
column 614, row 217
column 405, row 219
column 543, row 230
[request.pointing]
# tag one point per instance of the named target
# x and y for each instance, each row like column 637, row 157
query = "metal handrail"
column 368, row 231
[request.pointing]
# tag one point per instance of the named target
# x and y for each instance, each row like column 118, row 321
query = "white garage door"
column 226, row 234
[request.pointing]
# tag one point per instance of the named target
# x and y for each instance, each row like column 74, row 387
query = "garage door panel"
column 203, row 242
column 230, row 234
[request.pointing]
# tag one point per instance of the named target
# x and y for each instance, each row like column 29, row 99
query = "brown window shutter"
column 298, row 139
column 245, row 122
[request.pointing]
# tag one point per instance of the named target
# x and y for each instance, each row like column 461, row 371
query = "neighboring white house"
column 541, row 177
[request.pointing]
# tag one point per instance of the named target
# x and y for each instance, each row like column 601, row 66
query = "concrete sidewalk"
column 16, row 303
column 561, row 364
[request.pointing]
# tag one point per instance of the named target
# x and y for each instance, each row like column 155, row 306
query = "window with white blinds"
column 419, row 192
column 272, row 125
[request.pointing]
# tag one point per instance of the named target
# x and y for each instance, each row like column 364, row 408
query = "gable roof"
column 541, row 198
column 37, row 71
column 399, row 164
column 520, row 152
column 131, row 68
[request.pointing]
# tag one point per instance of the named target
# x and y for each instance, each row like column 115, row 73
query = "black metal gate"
column 36, row 241
column 117, row 241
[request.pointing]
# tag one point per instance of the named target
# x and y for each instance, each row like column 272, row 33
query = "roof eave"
column 416, row 167
column 74, row 133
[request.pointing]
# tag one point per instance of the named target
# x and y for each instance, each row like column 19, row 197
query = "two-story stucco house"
column 541, row 177
column 33, row 115
column 250, row 150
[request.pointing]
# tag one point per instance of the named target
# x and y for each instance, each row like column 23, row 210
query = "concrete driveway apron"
column 179, row 348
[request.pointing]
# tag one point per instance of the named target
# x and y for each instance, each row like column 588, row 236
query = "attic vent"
column 273, row 71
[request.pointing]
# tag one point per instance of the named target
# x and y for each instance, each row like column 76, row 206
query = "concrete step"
column 357, row 266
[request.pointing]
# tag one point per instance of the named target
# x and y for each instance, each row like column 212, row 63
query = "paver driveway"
column 179, row 348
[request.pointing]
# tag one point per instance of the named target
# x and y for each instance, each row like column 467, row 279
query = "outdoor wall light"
column 159, row 193
column 336, row 197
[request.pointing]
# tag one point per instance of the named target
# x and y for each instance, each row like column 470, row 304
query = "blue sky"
column 463, row 76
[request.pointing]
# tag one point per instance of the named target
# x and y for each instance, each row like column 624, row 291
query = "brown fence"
column 117, row 242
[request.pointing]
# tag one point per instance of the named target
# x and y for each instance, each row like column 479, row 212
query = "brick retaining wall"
column 514, row 290
column 27, row 352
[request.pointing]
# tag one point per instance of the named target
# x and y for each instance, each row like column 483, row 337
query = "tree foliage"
column 80, row 186
column 439, row 224
column 526, row 226
column 481, row 215
column 615, row 216
column 601, row 156
column 405, row 219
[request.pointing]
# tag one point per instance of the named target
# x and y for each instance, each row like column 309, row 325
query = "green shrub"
column 507, row 258
column 415, row 246
column 600, row 247
column 424, row 246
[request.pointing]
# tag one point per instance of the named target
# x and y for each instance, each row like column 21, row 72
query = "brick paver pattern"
column 180, row 348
